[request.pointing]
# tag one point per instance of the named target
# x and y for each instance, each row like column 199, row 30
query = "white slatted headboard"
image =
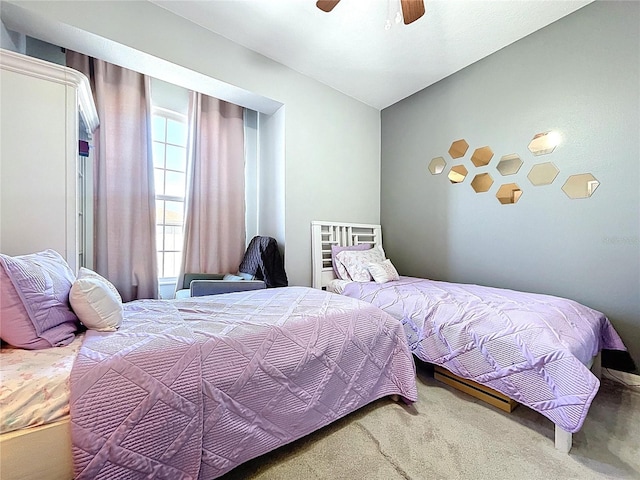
column 326, row 234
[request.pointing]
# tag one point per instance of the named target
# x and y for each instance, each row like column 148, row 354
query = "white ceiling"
column 350, row 50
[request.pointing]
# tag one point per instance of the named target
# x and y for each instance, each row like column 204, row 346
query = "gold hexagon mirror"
column 509, row 164
column 543, row 174
column 482, row 182
column 482, row 156
column 458, row 148
column 544, row 143
column 457, row 174
column 509, row 193
column 436, row 166
column 580, row 186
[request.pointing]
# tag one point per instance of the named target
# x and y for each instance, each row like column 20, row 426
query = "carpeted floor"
column 449, row 435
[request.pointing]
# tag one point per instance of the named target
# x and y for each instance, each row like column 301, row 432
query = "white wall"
column 10, row 40
column 252, row 186
column 579, row 76
column 271, row 176
column 332, row 147
column 265, row 175
column 170, row 96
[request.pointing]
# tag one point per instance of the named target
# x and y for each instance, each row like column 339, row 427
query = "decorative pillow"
column 95, row 302
column 246, row 276
column 338, row 268
column 86, row 273
column 35, row 311
column 233, row 278
column 383, row 272
column 15, row 326
column 357, row 263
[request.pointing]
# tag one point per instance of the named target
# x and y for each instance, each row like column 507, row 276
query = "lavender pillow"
column 339, row 270
column 15, row 326
column 41, row 282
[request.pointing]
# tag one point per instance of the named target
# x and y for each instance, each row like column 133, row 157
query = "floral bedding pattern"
column 34, row 385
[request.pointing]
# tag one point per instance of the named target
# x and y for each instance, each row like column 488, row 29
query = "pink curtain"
column 125, row 241
column 214, row 237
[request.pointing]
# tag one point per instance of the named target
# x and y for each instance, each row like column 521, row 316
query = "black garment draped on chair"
column 263, row 260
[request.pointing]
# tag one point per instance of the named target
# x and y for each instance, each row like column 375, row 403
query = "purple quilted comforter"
column 190, row 389
column 532, row 348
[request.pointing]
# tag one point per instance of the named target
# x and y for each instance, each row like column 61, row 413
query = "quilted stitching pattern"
column 43, row 280
column 532, row 348
column 204, row 384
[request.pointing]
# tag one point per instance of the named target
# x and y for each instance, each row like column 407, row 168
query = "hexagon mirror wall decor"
column 544, row 143
column 436, row 166
column 580, row 186
column 458, row 148
column 457, row 174
column 543, row 174
column 509, row 193
column 509, row 164
column 482, row 156
column 482, row 182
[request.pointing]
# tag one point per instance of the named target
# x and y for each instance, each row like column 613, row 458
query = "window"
column 169, row 135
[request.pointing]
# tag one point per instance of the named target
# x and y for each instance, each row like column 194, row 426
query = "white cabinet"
column 43, row 182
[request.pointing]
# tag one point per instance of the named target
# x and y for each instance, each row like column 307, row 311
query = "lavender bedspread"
column 190, row 389
column 532, row 348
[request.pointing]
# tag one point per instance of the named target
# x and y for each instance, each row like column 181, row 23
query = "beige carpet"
column 449, row 435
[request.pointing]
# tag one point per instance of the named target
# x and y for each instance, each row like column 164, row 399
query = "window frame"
column 161, row 250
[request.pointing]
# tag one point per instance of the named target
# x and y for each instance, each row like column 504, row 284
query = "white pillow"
column 95, row 304
column 383, row 272
column 231, row 277
column 356, row 263
column 86, row 273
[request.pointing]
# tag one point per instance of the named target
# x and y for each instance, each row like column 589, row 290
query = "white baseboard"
column 629, row 379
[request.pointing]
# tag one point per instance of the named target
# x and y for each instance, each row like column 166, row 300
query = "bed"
column 534, row 349
column 192, row 388
column 34, row 411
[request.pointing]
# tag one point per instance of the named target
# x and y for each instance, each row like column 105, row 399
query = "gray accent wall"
column 580, row 77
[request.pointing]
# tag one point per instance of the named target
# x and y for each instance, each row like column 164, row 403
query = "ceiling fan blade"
column 326, row 5
column 412, row 10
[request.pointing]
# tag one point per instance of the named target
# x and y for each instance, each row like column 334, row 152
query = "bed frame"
column 326, row 234
column 37, row 452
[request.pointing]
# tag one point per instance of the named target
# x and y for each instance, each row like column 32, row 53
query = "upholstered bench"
column 201, row 284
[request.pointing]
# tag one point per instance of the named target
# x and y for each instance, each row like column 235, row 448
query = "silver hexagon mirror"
column 482, row 182
column 509, row 193
column 509, row 164
column 544, row 143
column 580, row 186
column 543, row 174
column 457, row 174
column 436, row 166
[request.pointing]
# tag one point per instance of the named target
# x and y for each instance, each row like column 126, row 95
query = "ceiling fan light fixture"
column 412, row 10
column 327, row 5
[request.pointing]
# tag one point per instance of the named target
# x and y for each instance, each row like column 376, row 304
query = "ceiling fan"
column 412, row 10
